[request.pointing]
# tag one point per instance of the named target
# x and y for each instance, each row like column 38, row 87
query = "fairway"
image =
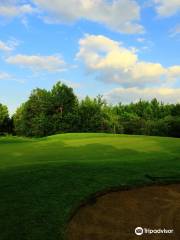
column 42, row 181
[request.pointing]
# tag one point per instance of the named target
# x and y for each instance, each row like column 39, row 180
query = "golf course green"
column 43, row 180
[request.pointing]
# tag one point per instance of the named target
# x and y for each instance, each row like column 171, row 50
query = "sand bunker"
column 115, row 215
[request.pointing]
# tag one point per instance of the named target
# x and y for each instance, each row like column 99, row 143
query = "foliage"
column 46, row 112
column 59, row 111
column 5, row 122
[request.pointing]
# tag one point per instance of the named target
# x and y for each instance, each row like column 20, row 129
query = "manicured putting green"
column 43, row 180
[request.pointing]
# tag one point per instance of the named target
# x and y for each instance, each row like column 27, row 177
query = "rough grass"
column 43, row 180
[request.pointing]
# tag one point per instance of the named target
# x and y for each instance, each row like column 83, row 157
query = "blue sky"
column 123, row 49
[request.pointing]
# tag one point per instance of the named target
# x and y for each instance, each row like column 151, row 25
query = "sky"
column 122, row 49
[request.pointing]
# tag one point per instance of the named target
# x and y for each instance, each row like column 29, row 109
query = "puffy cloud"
column 119, row 15
column 127, row 95
column 166, row 8
column 99, row 52
column 11, row 9
column 38, row 63
column 147, row 70
column 174, row 71
column 112, row 62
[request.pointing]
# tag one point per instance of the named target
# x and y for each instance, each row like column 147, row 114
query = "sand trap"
column 115, row 215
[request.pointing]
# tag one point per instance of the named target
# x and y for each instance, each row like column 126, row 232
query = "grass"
column 43, row 180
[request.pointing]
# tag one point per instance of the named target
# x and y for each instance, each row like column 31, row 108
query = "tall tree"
column 33, row 117
column 64, row 108
column 4, row 119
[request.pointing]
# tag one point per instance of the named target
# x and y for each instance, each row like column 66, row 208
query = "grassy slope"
column 42, row 180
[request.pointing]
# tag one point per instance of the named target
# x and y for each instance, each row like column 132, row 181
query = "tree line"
column 59, row 111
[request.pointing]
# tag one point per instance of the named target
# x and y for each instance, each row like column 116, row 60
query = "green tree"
column 175, row 110
column 59, row 111
column 64, row 108
column 91, row 115
column 4, row 119
column 33, row 117
column 47, row 112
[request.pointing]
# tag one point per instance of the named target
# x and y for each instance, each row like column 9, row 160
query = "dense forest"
column 60, row 111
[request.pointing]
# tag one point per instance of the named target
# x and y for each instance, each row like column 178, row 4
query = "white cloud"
column 112, row 62
column 11, row 8
column 9, row 45
column 127, row 95
column 4, row 76
column 166, row 8
column 174, row 71
column 175, row 31
column 141, row 40
column 72, row 84
column 119, row 15
column 100, row 52
column 38, row 62
column 5, row 47
column 147, row 70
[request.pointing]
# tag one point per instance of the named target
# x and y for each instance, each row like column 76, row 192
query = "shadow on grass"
column 37, row 199
column 14, row 140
